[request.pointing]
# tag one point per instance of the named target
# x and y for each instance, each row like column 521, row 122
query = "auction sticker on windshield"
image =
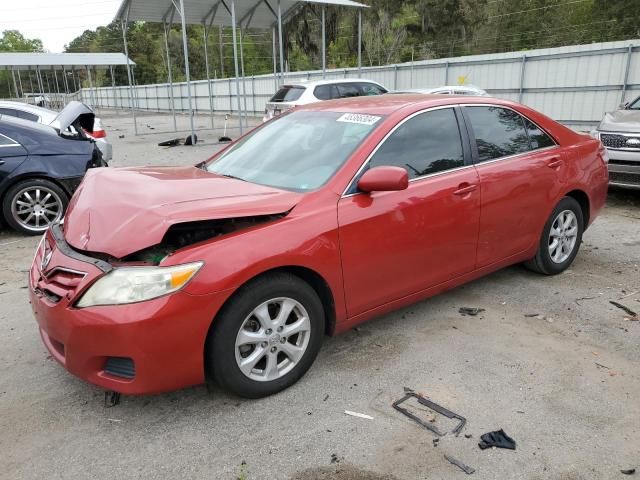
column 358, row 118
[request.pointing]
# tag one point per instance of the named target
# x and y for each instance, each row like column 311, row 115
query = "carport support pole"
column 280, row 42
column 113, row 85
column 93, row 98
column 625, row 79
column 235, row 63
column 205, row 34
column 359, row 41
column 73, row 77
column 165, row 29
column 66, row 83
column 55, row 76
column 324, row 44
column 244, row 81
column 275, row 61
column 186, row 70
column 15, row 84
column 48, row 91
column 30, row 82
column 20, row 83
column 521, row 87
column 126, row 54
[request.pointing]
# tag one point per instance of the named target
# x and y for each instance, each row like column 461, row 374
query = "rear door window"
column 369, row 89
column 6, row 141
column 499, row 132
column 325, row 92
column 9, row 112
column 425, row 144
column 28, row 116
column 537, row 138
column 288, row 94
column 346, row 90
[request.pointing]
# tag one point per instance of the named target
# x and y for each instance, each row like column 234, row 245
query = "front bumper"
column 163, row 338
column 624, row 168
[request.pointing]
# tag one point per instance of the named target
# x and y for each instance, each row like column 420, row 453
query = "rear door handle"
column 465, row 188
column 555, row 163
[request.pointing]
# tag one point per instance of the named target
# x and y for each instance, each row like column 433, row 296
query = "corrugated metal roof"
column 256, row 13
column 28, row 61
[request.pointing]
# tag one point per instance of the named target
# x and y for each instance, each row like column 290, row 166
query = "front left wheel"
column 31, row 205
column 266, row 337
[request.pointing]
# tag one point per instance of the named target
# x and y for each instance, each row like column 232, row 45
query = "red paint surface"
column 375, row 252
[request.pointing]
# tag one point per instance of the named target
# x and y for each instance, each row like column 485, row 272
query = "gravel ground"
column 564, row 384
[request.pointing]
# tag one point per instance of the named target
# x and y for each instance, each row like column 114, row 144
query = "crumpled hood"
column 621, row 121
column 119, row 211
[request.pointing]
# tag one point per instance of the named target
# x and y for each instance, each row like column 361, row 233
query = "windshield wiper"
column 233, row 176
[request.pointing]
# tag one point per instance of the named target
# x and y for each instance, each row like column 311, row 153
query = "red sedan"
column 235, row 269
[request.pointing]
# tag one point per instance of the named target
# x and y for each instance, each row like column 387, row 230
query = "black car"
column 41, row 166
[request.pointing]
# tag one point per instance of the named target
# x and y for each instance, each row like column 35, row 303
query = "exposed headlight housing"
column 136, row 284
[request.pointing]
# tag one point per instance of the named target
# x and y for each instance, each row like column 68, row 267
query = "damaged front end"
column 181, row 235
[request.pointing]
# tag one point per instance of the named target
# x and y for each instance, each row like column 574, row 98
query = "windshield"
column 635, row 105
column 299, row 151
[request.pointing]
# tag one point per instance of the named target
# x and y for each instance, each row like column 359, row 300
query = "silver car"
column 51, row 117
column 619, row 132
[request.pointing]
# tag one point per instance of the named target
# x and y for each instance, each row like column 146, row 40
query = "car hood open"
column 75, row 114
column 621, row 121
column 122, row 211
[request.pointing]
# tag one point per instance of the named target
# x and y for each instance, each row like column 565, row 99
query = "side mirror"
column 384, row 179
column 623, row 105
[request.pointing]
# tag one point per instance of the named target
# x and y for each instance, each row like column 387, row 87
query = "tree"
column 14, row 41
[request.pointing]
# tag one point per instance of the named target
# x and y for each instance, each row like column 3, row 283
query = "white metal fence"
column 574, row 85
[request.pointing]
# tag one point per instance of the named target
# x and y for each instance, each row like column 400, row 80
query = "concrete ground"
column 564, row 384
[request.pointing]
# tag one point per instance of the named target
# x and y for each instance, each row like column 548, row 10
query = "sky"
column 55, row 22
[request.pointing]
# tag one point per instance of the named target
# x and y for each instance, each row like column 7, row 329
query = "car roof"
column 315, row 83
column 388, row 104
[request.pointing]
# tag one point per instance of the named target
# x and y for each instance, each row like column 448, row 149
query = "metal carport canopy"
column 59, row 61
column 260, row 13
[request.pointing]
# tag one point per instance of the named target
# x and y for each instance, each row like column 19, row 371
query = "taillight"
column 98, row 134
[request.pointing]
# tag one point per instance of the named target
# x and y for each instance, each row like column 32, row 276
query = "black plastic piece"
column 465, row 468
column 122, row 367
column 64, row 247
column 433, row 406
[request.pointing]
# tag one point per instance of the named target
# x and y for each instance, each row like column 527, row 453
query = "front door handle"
column 555, row 163
column 465, row 188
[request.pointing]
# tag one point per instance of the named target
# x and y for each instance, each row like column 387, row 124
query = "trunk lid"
column 122, row 211
column 75, row 114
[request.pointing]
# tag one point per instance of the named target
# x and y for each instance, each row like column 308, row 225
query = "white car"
column 302, row 93
column 449, row 90
column 50, row 117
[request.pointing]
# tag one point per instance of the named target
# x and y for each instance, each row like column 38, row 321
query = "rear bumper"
column 163, row 339
column 624, row 168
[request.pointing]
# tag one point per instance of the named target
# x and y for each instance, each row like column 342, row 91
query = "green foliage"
column 14, row 41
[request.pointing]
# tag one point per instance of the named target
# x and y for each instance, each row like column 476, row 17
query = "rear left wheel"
column 266, row 337
column 560, row 239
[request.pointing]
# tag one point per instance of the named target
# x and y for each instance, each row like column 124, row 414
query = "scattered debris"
column 629, row 471
column 170, row 143
column 531, row 315
column 473, row 311
column 335, row 458
column 111, row 399
column 497, row 439
column 577, row 300
column 433, row 406
column 113, row 420
column 359, row 415
column 465, row 468
column 467, row 435
column 120, row 136
column 224, row 137
column 191, row 139
column 622, row 307
column 435, row 441
column 630, row 295
column 150, row 127
column 602, row 366
column 326, row 397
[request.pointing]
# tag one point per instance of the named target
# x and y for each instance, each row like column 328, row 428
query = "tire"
column 550, row 261
column 249, row 331
column 48, row 204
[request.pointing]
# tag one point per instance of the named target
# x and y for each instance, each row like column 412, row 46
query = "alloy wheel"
column 36, row 207
column 272, row 339
column 562, row 236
